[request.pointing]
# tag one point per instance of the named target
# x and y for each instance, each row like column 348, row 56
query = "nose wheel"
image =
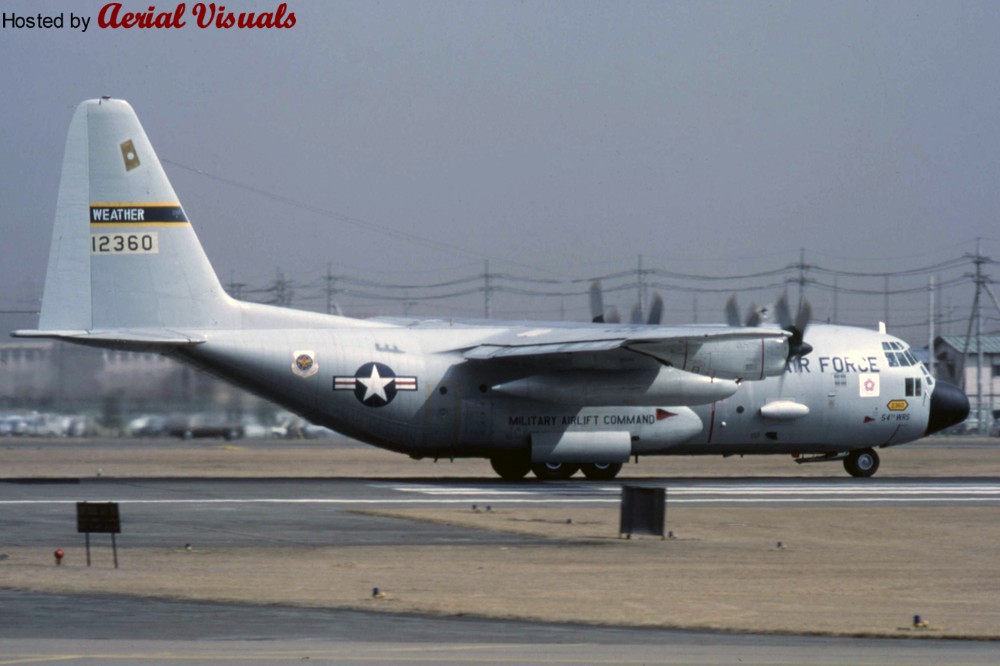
column 861, row 463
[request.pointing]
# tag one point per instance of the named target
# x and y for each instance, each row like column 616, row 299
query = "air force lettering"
column 374, row 384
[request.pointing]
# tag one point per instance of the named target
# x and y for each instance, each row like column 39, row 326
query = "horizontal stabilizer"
column 131, row 339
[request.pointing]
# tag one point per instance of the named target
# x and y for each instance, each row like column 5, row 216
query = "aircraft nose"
column 949, row 406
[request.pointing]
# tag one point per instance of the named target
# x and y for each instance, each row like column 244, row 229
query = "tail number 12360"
column 134, row 243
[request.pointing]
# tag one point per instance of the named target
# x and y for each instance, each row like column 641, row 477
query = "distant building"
column 958, row 364
column 44, row 374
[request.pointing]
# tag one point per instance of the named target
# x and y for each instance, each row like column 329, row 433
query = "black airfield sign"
column 98, row 517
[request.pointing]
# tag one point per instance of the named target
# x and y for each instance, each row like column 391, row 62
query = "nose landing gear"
column 861, row 463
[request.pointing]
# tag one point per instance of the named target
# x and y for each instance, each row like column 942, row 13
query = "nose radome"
column 949, row 406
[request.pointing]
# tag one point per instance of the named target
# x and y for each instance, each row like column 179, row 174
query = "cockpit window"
column 898, row 355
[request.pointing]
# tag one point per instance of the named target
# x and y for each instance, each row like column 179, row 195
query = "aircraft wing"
column 715, row 351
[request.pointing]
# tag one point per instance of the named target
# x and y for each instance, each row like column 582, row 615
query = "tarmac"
column 273, row 526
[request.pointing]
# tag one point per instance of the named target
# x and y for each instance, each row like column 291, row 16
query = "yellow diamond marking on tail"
column 129, row 155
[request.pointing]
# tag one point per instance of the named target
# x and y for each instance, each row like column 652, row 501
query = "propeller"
column 732, row 311
column 610, row 316
column 635, row 316
column 655, row 310
column 754, row 314
column 596, row 302
column 797, row 346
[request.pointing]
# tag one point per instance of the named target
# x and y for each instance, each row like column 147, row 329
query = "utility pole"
column 885, row 296
column 802, row 276
column 930, row 326
column 641, row 285
column 976, row 316
column 487, row 290
column 331, row 290
column 836, row 298
column 282, row 289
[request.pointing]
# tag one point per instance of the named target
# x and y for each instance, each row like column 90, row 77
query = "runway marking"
column 568, row 493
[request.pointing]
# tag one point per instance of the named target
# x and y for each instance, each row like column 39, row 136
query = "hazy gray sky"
column 567, row 136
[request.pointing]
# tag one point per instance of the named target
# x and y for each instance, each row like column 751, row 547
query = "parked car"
column 204, row 426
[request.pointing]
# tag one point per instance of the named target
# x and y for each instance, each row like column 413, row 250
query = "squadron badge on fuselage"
column 374, row 384
column 304, row 363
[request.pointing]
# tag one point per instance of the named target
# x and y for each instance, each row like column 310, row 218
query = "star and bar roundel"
column 374, row 384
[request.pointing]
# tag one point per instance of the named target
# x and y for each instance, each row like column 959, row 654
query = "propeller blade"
column 732, row 311
column 656, row 310
column 797, row 346
column 613, row 316
column 753, row 316
column 635, row 316
column 782, row 312
column 805, row 314
column 596, row 302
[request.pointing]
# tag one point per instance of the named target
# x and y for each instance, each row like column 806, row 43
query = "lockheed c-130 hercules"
column 126, row 271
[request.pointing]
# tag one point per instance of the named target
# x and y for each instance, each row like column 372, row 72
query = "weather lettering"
column 117, row 215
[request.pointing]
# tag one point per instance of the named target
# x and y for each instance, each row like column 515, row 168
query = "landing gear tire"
column 510, row 469
column 554, row 471
column 601, row 471
column 861, row 463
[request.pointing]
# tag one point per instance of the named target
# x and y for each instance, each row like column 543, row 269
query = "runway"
column 249, row 513
column 319, row 512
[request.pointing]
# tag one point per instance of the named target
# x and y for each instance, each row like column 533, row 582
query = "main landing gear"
column 515, row 469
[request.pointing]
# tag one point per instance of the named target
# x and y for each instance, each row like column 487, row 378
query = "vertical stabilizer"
column 123, row 254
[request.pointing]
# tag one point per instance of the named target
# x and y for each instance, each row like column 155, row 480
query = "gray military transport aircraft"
column 126, row 271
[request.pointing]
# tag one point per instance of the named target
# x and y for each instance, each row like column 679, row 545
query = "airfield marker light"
column 488, row 508
column 475, row 507
column 919, row 622
column 569, row 521
column 781, row 545
column 59, row 554
column 377, row 593
column 670, row 534
column 188, row 547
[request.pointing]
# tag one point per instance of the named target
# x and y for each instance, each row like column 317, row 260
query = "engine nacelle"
column 727, row 357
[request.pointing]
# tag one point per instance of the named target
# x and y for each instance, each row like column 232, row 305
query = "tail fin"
column 123, row 255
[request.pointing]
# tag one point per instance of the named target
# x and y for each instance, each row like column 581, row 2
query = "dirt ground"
column 842, row 571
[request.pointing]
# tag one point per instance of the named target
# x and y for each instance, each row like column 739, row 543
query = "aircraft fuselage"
column 393, row 388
